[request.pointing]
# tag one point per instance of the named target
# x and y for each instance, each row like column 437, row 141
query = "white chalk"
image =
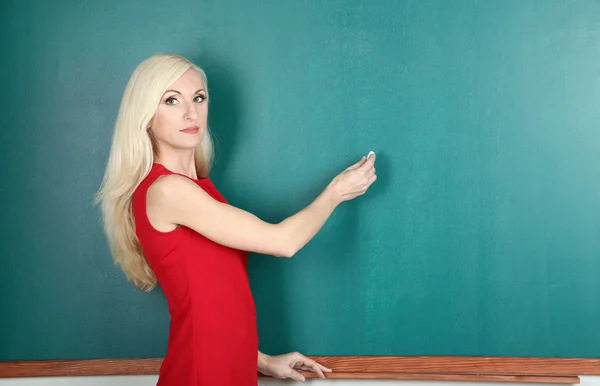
column 370, row 154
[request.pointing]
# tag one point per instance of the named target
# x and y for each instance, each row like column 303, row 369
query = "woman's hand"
column 355, row 180
column 285, row 366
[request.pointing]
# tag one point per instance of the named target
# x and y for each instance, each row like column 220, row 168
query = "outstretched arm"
column 175, row 200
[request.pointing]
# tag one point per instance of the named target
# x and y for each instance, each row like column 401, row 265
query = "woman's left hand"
column 285, row 366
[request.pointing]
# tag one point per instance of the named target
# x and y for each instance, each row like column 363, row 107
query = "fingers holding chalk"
column 362, row 161
column 369, row 162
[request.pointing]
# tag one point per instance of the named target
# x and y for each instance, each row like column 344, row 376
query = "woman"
column 166, row 221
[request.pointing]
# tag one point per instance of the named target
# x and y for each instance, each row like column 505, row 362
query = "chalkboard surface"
column 480, row 237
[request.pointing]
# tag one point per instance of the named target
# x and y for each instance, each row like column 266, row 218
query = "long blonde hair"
column 131, row 157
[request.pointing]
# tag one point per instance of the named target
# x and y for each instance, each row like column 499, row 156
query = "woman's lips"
column 191, row 130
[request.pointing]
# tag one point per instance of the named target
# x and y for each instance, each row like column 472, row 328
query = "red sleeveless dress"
column 213, row 339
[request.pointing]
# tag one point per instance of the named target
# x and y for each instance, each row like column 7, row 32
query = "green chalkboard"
column 480, row 237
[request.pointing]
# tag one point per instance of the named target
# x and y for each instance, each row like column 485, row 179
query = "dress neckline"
column 170, row 171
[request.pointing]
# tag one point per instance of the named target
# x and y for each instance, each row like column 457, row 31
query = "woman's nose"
column 190, row 111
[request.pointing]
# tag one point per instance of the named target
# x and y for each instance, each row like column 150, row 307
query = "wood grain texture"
column 462, row 365
column 86, row 367
column 504, row 369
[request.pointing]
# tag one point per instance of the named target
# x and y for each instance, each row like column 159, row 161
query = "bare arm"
column 174, row 200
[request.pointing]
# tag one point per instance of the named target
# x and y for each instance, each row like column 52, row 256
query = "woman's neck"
column 185, row 165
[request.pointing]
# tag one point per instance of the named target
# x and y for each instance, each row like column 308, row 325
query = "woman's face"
column 180, row 119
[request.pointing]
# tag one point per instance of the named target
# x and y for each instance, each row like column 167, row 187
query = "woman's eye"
column 200, row 98
column 171, row 101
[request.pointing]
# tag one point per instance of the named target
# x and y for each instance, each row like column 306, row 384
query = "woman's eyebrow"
column 175, row 91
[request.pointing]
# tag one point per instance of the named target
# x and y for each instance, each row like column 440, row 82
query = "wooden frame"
column 455, row 368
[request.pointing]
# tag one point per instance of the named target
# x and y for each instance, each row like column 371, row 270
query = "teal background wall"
column 480, row 237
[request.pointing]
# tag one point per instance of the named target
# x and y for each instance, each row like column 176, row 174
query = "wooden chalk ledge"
column 446, row 368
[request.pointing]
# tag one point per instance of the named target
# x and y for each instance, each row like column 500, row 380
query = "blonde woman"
column 166, row 221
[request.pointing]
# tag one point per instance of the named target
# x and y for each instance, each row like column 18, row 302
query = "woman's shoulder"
column 156, row 171
column 162, row 181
